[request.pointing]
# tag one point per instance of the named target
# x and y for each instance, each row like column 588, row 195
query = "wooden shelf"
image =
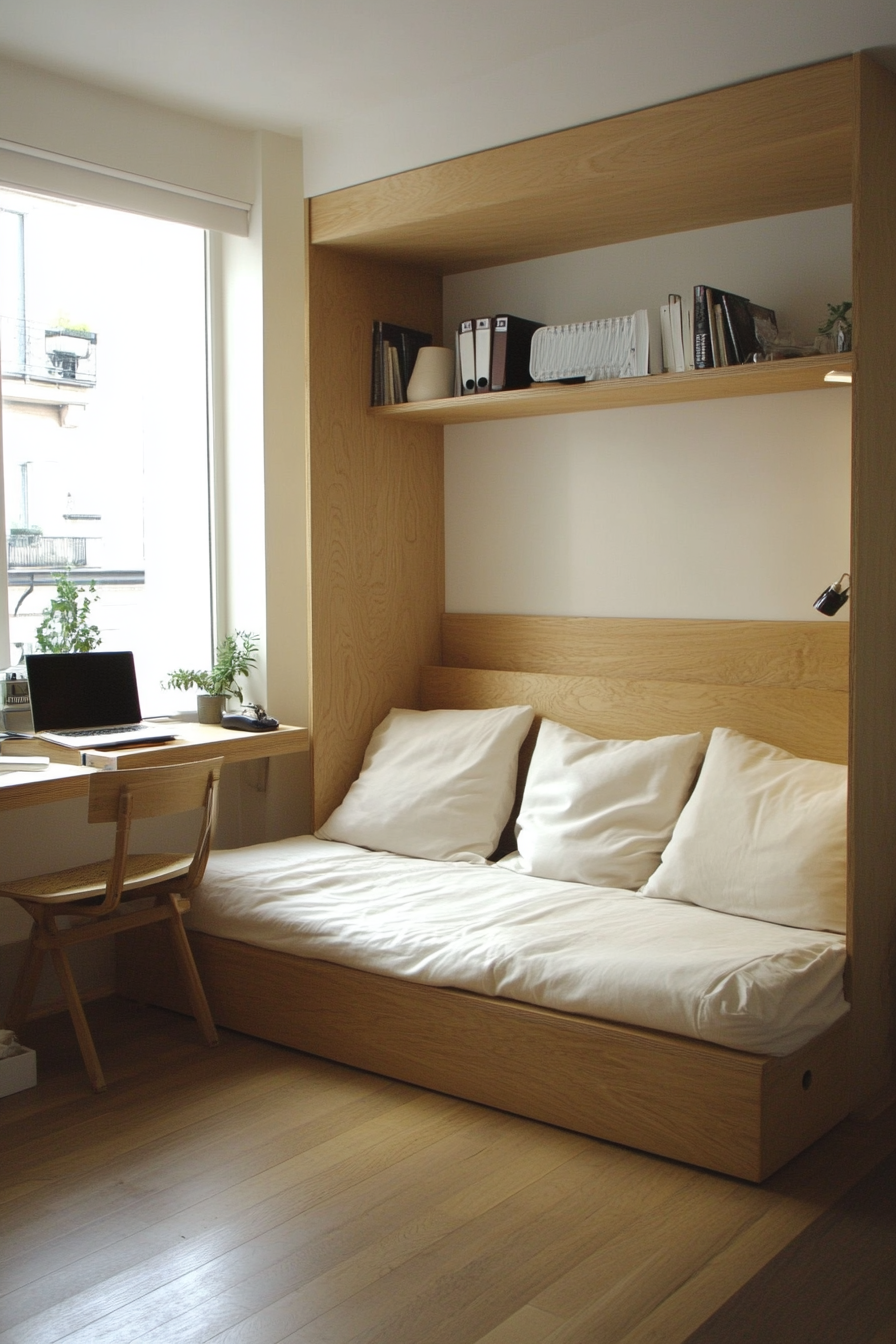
column 771, row 146
column 746, row 380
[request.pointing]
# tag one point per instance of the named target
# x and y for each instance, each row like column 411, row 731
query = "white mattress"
column 605, row 953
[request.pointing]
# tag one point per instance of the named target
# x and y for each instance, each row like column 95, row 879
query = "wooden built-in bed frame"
column 800, row 140
column 735, row 1112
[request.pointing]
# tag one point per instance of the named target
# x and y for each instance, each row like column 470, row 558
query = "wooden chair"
column 92, row 893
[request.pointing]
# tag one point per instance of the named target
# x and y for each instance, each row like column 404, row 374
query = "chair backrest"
column 124, row 796
column 155, row 791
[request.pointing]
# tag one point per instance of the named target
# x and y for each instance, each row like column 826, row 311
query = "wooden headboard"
column 784, row 682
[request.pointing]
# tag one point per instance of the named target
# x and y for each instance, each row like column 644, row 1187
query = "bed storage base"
column 741, row 1114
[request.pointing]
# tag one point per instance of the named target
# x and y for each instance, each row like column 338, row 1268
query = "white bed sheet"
column 605, row 953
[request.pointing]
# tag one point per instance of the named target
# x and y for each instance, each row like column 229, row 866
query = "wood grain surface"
column 834, row 1284
column 811, row 654
column 32, row 787
column 873, row 595
column 772, row 146
column 806, row 722
column 252, row 1193
column 376, row 518
column 734, row 1112
column 742, row 380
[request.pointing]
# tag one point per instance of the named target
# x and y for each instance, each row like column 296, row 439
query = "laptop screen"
column 82, row 690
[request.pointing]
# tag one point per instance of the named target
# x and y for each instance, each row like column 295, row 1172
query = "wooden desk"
column 63, row 778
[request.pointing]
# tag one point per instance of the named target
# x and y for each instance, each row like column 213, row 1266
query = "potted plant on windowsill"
column 235, row 656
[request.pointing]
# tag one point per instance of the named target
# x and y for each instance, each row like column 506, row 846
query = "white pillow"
column 435, row 784
column 763, row 834
column 601, row 812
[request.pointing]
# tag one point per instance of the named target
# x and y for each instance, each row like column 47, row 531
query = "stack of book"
column 394, row 355
column 493, row 353
column 729, row 329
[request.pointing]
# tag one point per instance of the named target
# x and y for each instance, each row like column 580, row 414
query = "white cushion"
column 435, row 784
column 601, row 812
column 763, row 835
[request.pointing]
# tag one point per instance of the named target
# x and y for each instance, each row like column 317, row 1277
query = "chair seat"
column 89, row 880
column 80, row 905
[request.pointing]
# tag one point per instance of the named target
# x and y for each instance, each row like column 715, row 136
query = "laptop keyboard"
column 98, row 732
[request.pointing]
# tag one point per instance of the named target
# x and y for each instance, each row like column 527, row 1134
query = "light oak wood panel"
column 806, row 722
column 192, row 742
column 873, row 728
column 53, row 785
column 375, row 518
column 768, row 147
column 733, row 1112
column 744, row 380
column 812, row 654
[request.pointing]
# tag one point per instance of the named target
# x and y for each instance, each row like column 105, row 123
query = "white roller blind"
column 32, row 169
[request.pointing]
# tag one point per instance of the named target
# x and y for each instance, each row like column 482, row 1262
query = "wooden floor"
column 250, row 1195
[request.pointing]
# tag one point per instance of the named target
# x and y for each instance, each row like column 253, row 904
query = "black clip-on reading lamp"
column 833, row 598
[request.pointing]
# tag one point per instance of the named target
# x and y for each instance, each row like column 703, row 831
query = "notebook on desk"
column 88, row 700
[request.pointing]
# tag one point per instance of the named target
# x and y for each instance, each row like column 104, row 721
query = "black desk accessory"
column 252, row 720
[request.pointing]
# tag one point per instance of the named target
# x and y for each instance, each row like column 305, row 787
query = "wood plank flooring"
column 253, row 1195
column 834, row 1284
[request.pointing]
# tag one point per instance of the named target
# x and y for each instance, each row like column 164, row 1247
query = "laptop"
column 88, row 700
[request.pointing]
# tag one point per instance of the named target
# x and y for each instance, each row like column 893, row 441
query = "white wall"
column 731, row 509
column 261, row 488
column 615, row 59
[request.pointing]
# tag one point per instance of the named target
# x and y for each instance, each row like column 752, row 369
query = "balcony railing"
column 47, row 354
column 35, row 552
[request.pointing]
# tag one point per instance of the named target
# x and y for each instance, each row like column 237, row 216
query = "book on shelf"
column 483, row 329
column 466, row 357
column 725, row 328
column 721, row 347
column 394, row 353
column 511, row 348
column 702, row 340
column 666, row 338
column 673, row 335
column 680, row 321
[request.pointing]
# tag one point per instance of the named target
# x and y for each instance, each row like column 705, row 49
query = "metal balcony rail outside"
column 27, row 551
column 47, row 354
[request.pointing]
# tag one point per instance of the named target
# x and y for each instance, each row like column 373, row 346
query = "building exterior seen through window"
column 103, row 355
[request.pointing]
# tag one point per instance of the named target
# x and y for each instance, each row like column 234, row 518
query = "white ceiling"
column 374, row 87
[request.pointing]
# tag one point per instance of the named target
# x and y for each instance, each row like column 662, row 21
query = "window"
column 105, row 428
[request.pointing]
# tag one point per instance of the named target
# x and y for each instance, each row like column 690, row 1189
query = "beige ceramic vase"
column 433, row 376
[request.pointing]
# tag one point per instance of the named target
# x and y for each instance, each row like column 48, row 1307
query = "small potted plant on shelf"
column 235, row 656
column 836, row 332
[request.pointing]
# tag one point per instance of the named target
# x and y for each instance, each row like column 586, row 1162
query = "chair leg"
column 26, row 984
column 184, row 954
column 79, row 1021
